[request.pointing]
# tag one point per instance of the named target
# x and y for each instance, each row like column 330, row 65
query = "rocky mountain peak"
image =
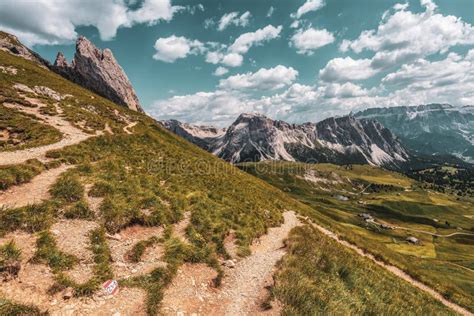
column 60, row 60
column 99, row 71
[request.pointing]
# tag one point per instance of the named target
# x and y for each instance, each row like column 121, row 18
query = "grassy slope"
column 151, row 178
column 320, row 276
column 442, row 263
column 28, row 132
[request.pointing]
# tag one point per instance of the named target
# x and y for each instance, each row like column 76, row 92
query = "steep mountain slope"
column 98, row 71
column 430, row 129
column 254, row 137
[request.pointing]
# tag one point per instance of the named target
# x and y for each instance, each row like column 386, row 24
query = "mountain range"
column 433, row 129
column 254, row 137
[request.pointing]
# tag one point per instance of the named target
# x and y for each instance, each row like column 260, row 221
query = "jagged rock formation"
column 440, row 129
column 98, row 71
column 11, row 44
column 254, row 137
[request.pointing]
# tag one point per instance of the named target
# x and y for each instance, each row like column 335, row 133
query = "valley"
column 379, row 210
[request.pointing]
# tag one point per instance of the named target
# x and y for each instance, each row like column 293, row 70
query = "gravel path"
column 31, row 192
column 71, row 136
column 398, row 272
column 127, row 128
column 191, row 291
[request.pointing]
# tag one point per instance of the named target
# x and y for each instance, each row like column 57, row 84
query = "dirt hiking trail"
column 243, row 286
column 71, row 135
column 32, row 192
column 398, row 272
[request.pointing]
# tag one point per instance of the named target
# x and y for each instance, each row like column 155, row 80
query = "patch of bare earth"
column 32, row 192
column 72, row 237
column 243, row 287
column 121, row 244
column 34, row 280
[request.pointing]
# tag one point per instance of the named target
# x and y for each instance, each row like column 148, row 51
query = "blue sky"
column 302, row 60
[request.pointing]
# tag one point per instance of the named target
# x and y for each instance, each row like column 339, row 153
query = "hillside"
column 430, row 129
column 378, row 210
column 93, row 191
column 254, row 137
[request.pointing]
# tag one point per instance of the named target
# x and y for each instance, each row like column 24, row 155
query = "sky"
column 207, row 61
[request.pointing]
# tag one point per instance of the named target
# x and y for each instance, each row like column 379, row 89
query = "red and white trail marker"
column 111, row 287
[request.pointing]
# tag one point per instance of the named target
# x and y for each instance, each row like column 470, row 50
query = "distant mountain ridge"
column 432, row 129
column 254, row 137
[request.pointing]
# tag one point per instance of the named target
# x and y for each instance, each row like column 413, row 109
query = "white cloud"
column 401, row 38
column 232, row 60
column 217, row 108
column 405, row 36
column 233, row 18
column 228, row 59
column 192, row 9
column 400, row 6
column 307, row 41
column 55, row 21
column 169, row 49
column 270, row 12
column 220, row 71
column 454, row 70
column 245, row 41
column 232, row 56
column 345, row 69
column 308, row 6
column 263, row 79
column 450, row 80
column 429, row 4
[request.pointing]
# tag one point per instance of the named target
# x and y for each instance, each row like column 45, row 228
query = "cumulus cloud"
column 263, row 79
column 227, row 59
column 232, row 56
column 245, row 41
column 55, row 21
column 220, row 71
column 455, row 71
column 233, row 18
column 405, row 36
column 308, row 6
column 345, row 69
column 307, row 41
column 169, row 49
column 400, row 38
